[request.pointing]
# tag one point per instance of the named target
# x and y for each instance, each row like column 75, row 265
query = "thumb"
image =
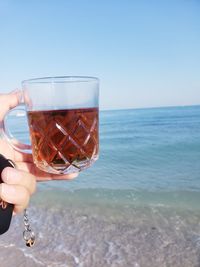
column 9, row 101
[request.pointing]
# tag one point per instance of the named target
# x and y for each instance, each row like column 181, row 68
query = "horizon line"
column 151, row 107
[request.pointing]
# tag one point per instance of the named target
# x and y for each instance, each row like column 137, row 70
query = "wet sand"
column 79, row 234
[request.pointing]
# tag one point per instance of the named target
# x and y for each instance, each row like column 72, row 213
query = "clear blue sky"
column 146, row 53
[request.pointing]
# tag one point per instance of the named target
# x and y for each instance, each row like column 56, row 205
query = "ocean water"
column 138, row 205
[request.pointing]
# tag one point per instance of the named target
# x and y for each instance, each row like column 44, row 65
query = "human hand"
column 20, row 183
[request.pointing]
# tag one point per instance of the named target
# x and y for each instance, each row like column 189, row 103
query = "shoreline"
column 84, row 234
column 73, row 232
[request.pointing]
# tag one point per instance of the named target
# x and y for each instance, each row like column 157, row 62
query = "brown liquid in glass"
column 66, row 138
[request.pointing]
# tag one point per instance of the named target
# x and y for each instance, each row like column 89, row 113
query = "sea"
column 137, row 206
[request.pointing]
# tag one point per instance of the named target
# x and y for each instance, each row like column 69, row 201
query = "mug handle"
column 6, row 134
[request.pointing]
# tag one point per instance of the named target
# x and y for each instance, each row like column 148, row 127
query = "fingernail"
column 14, row 91
column 10, row 175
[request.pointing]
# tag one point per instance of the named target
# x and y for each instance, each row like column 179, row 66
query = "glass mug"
column 63, row 119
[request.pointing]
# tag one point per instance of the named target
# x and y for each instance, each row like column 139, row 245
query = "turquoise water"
column 138, row 205
column 149, row 149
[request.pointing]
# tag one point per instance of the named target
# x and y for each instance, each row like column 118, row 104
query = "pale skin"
column 20, row 183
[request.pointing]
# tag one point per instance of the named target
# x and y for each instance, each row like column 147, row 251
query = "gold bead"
column 30, row 242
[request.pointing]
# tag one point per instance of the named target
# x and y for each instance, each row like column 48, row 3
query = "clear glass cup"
column 63, row 119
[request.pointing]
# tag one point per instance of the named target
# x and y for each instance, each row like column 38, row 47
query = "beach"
column 137, row 206
column 75, row 231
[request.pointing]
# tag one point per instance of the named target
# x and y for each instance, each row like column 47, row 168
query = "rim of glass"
column 62, row 79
